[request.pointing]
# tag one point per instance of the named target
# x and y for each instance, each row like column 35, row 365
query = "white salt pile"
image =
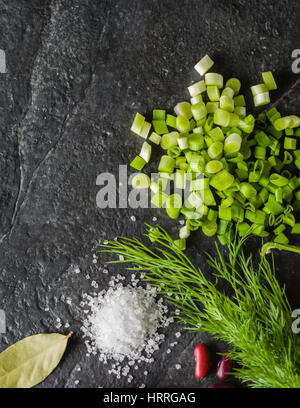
column 123, row 324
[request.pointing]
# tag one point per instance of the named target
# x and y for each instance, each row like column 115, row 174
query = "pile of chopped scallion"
column 228, row 165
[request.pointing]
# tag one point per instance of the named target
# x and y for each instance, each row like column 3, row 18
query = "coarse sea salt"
column 123, row 324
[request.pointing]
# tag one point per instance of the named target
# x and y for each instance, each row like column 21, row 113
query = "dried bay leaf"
column 29, row 361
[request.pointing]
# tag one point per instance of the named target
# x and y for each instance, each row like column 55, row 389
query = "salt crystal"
column 133, row 218
column 123, row 323
column 178, row 366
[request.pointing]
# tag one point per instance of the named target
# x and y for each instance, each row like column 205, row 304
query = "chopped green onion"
column 232, row 143
column 168, row 140
column 138, row 163
column 159, row 114
column 166, row 164
column 196, row 142
column 216, row 134
column 183, row 142
column 154, row 187
column 180, row 243
column 278, row 180
column 140, row 181
column 182, row 123
column 215, row 150
column 212, row 215
column 278, row 230
column 289, row 219
column 209, row 228
column 204, row 65
column 146, row 152
column 296, row 229
column 248, row 190
column 160, row 127
column 241, row 160
column 198, row 129
column 197, row 88
column 240, row 111
column 180, row 179
column 137, row 124
column 183, row 109
column 260, row 152
column 159, row 199
column 234, row 84
column 258, row 89
column 155, row 138
column 291, row 121
column 269, row 81
column 214, row 166
column 281, row 239
column 288, row 158
column 199, row 111
column 278, row 195
column 226, row 103
column 197, row 164
column 199, row 184
column 162, row 183
column 173, row 205
column 211, row 107
column 225, row 213
column 184, row 232
column 228, row 92
column 290, row 143
column 145, row 130
column 222, row 228
column 262, row 139
column 261, row 99
column 171, row 121
column 174, row 151
column 222, row 118
column 196, row 99
column 222, row 180
column 193, row 201
column 214, row 79
column 213, row 93
column 239, row 101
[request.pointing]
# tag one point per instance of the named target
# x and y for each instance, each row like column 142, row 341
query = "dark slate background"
column 77, row 72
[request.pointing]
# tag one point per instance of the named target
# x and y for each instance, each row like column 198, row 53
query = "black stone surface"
column 77, row 72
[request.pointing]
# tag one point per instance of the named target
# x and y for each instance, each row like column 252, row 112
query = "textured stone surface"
column 77, row 71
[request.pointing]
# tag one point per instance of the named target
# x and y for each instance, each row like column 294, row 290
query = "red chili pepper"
column 224, row 367
column 202, row 357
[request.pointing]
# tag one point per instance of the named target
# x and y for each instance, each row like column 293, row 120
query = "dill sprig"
column 255, row 318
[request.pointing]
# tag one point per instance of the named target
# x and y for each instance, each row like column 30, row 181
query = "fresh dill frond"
column 255, row 318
